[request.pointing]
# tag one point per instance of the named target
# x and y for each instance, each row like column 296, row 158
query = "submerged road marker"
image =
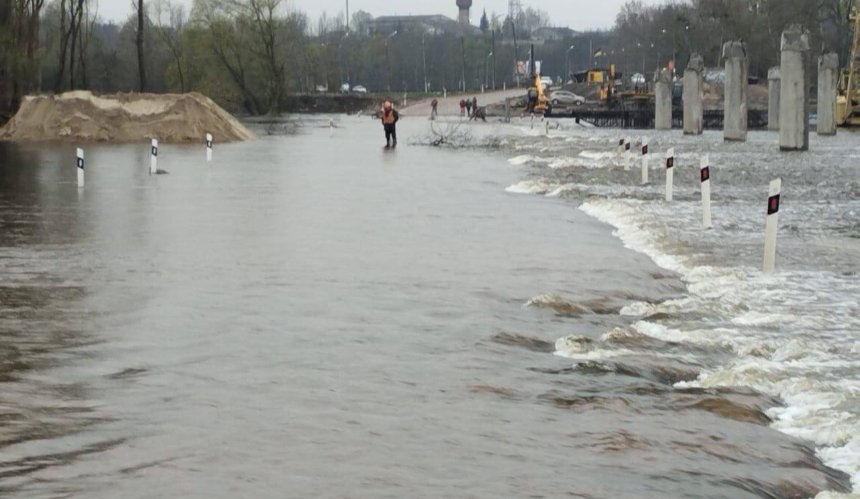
column 705, row 175
column 627, row 153
column 644, row 160
column 153, row 159
column 771, row 224
column 670, row 172
column 208, row 147
column 80, row 164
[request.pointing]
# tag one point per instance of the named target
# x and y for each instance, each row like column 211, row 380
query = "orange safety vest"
column 388, row 117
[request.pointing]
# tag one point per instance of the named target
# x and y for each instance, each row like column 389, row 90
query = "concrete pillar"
column 693, row 93
column 794, row 89
column 773, row 79
column 735, row 110
column 663, row 99
column 828, row 67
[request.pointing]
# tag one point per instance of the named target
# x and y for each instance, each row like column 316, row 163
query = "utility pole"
column 463, row 45
column 347, row 16
column 388, row 59
column 424, row 61
column 493, row 33
column 387, row 67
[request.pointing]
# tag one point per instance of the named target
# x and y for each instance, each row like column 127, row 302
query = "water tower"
column 464, row 6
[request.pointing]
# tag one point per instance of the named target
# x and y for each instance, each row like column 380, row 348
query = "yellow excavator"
column 541, row 103
column 848, row 99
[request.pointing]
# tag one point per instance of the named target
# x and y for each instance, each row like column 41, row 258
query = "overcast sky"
column 577, row 14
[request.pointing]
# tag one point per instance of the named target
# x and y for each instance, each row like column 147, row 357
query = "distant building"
column 464, row 6
column 554, row 34
column 431, row 24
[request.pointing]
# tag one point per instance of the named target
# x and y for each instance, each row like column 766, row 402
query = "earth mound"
column 81, row 116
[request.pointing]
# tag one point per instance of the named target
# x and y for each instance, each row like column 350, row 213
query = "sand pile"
column 81, row 116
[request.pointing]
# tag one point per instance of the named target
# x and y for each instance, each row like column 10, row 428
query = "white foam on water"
column 596, row 354
column 598, row 155
column 557, row 163
column 562, row 190
column 794, row 334
column 532, row 187
column 522, row 159
column 546, row 300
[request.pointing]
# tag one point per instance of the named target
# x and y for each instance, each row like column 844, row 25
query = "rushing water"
column 311, row 316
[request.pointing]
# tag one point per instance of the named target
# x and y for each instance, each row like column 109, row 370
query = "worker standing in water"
column 390, row 117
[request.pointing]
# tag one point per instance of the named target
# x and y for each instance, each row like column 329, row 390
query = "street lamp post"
column 463, row 49
column 567, row 62
column 493, row 51
column 388, row 60
column 486, row 70
column 424, row 61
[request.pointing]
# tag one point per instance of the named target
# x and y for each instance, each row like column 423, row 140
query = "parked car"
column 359, row 89
column 566, row 98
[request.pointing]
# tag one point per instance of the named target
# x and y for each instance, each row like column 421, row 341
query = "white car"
column 546, row 81
column 566, row 98
column 359, row 89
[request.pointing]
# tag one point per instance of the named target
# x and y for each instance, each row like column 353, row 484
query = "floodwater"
column 311, row 316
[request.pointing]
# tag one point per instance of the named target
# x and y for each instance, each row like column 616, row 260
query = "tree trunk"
column 140, row 65
column 64, row 41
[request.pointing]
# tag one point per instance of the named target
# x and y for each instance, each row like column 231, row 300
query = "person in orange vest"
column 390, row 117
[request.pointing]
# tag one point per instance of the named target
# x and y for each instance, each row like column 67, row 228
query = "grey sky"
column 577, row 14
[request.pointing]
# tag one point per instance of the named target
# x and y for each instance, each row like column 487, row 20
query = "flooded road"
column 312, row 316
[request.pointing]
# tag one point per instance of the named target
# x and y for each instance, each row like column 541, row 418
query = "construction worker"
column 532, row 100
column 390, row 117
column 479, row 112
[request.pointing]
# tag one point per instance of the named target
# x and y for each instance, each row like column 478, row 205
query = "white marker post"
column 770, row 227
column 208, row 147
column 546, row 128
column 670, row 173
column 80, row 164
column 644, row 160
column 627, row 153
column 705, row 175
column 153, row 160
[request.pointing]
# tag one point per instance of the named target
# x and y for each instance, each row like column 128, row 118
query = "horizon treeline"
column 249, row 55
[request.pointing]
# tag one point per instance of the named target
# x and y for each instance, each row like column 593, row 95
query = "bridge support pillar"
column 693, row 95
column 663, row 99
column 773, row 81
column 828, row 66
column 794, row 89
column 735, row 102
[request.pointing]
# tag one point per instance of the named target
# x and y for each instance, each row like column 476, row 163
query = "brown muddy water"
column 312, row 316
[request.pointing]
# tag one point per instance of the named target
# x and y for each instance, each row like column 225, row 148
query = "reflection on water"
column 309, row 317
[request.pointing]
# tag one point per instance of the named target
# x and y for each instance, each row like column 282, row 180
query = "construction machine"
column 848, row 98
column 627, row 100
column 541, row 103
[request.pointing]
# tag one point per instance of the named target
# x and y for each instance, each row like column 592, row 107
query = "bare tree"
column 228, row 43
column 168, row 25
column 266, row 27
column 141, row 67
column 76, row 11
